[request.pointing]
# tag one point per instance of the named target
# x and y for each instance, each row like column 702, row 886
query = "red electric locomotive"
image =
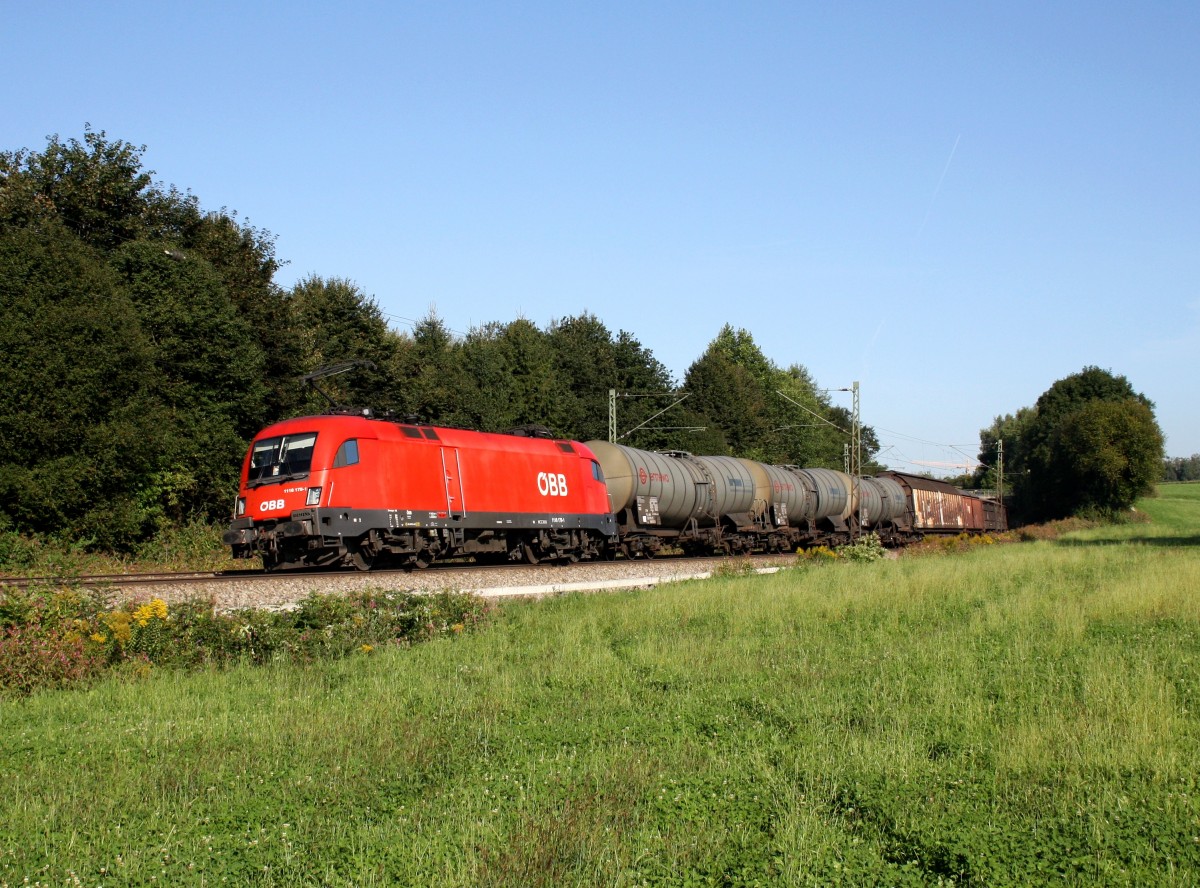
column 348, row 489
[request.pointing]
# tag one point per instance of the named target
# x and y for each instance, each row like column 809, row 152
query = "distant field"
column 1011, row 715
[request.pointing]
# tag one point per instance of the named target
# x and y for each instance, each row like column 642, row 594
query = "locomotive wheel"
column 361, row 559
column 530, row 555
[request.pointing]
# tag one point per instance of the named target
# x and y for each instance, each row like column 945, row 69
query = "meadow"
column 1004, row 715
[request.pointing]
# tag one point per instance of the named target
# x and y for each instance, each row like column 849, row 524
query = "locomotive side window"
column 274, row 459
column 596, row 473
column 347, row 454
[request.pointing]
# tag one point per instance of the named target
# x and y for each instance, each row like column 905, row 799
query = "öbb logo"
column 550, row 484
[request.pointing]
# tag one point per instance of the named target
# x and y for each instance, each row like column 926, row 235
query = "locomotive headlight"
column 240, row 508
column 314, row 496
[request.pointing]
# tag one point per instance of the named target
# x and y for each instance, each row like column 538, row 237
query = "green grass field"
column 1011, row 715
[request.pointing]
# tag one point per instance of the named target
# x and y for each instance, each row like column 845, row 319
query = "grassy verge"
column 1021, row 714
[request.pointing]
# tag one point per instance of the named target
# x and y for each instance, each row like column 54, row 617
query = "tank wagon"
column 730, row 505
column 354, row 490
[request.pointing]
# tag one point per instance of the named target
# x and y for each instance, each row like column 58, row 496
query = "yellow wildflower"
column 119, row 623
column 152, row 610
column 366, row 648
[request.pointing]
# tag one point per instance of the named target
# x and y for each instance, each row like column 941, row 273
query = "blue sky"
column 953, row 204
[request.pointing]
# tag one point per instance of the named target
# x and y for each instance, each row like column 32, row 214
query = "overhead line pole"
column 1000, row 471
column 612, row 413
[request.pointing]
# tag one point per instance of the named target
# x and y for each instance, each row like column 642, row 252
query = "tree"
column 147, row 343
column 769, row 414
column 1109, row 453
column 431, row 376
column 95, row 188
column 338, row 323
column 732, row 399
column 511, row 380
column 78, row 427
column 1069, row 462
column 1182, row 469
column 590, row 362
column 1010, row 429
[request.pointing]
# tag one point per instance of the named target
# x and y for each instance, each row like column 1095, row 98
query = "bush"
column 34, row 656
column 57, row 638
column 195, row 545
column 865, row 548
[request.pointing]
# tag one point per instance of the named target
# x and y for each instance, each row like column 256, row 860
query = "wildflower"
column 153, row 610
column 367, row 648
column 119, row 623
column 99, row 637
column 457, row 628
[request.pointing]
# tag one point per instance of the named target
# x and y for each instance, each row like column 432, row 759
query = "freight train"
column 353, row 490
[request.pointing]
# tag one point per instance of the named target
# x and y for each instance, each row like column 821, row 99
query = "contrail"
column 945, row 170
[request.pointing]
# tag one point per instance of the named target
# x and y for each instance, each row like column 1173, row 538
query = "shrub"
column 56, row 638
column 865, row 548
column 35, row 656
column 195, row 545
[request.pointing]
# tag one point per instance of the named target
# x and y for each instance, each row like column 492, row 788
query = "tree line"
column 144, row 340
column 1180, row 468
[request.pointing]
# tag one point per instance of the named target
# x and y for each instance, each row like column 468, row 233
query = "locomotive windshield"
column 280, row 459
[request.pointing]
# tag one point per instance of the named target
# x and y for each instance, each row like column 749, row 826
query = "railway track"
column 438, row 575
column 258, row 590
column 156, row 578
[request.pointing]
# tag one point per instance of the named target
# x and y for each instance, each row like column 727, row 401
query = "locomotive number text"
column 550, row 484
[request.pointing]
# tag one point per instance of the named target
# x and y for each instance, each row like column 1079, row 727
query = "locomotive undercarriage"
column 292, row 544
column 295, row 544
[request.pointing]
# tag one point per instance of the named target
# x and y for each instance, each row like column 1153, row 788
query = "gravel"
column 286, row 590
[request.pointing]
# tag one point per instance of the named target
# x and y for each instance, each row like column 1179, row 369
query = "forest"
column 144, row 340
